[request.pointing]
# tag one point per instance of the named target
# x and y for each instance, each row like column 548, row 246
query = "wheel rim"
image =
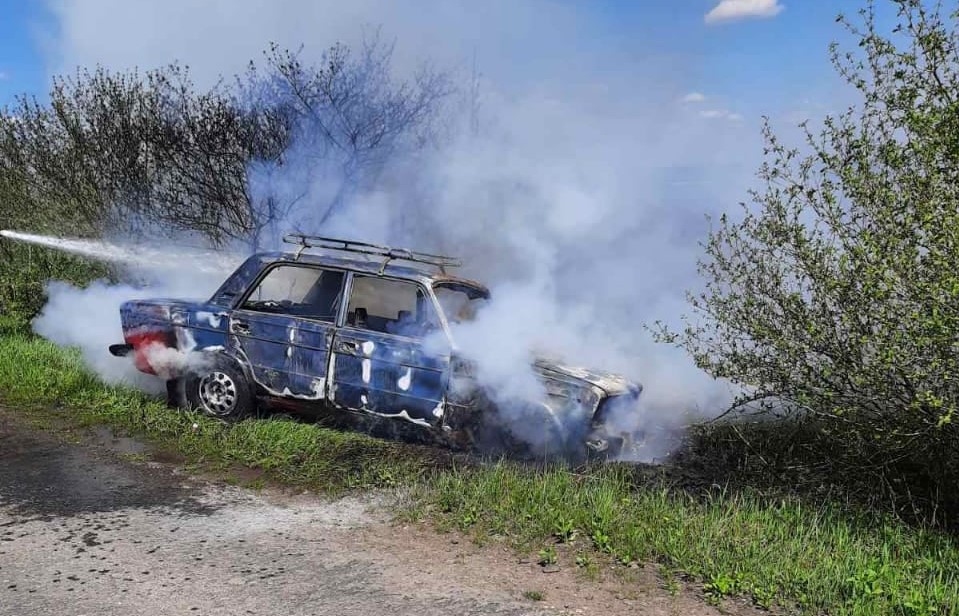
column 218, row 393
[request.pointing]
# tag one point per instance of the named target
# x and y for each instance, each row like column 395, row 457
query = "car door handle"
column 347, row 346
column 241, row 327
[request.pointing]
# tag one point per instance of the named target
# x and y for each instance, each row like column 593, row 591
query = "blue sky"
column 22, row 26
column 766, row 65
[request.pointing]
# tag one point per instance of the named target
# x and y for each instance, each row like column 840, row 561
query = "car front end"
column 597, row 409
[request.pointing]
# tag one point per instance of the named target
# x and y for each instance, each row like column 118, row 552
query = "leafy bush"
column 25, row 270
column 835, row 295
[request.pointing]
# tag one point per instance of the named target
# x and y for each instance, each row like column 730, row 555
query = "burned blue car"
column 343, row 329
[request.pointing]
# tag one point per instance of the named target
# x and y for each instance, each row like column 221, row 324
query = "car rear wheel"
column 221, row 391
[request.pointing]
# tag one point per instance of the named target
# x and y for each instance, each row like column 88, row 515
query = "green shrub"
column 835, row 296
column 24, row 273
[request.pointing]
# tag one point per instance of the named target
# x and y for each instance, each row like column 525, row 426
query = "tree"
column 114, row 152
column 131, row 153
column 835, row 296
column 346, row 119
column 124, row 151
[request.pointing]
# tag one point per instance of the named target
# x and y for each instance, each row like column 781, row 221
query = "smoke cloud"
column 583, row 214
column 577, row 187
column 89, row 318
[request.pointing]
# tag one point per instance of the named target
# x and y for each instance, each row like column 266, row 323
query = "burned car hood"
column 612, row 384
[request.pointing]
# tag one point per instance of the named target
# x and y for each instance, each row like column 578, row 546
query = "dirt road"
column 91, row 529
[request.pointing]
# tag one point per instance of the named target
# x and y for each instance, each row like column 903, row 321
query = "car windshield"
column 460, row 302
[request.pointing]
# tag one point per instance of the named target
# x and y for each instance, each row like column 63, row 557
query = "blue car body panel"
column 388, row 375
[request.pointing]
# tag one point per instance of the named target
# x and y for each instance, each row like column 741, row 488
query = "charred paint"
column 263, row 338
column 311, row 353
column 387, row 375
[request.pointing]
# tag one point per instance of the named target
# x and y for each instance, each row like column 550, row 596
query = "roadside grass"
column 779, row 551
column 35, row 374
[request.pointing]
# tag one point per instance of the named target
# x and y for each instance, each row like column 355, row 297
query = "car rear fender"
column 166, row 337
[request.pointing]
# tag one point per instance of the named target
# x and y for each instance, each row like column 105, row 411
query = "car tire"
column 220, row 390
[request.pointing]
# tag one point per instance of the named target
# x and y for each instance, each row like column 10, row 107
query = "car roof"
column 427, row 275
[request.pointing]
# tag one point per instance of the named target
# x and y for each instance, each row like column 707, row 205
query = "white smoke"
column 582, row 214
column 584, row 219
column 580, row 200
column 89, row 318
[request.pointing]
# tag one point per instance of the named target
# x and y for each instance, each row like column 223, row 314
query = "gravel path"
column 87, row 530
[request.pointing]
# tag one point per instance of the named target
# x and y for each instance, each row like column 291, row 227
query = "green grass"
column 35, row 374
column 823, row 559
column 778, row 551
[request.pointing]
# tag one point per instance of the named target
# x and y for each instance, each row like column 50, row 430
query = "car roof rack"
column 391, row 254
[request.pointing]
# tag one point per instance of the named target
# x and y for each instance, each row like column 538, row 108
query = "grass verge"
column 825, row 559
column 35, row 373
column 778, row 551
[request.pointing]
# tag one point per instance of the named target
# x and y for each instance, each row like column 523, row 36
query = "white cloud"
column 720, row 114
column 732, row 10
column 714, row 113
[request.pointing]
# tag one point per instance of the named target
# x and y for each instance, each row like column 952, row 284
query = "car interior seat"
column 321, row 301
column 404, row 323
column 359, row 317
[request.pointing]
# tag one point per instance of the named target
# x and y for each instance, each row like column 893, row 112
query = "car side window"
column 308, row 292
column 390, row 306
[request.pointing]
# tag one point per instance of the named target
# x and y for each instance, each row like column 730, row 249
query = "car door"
column 284, row 327
column 381, row 362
